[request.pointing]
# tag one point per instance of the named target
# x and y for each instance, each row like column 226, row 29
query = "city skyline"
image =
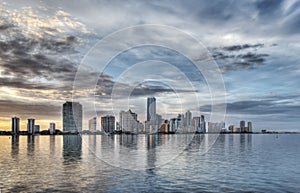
column 128, row 123
column 255, row 45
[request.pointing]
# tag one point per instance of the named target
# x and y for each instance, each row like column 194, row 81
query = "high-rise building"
column 203, row 124
column 188, row 119
column 175, row 125
column 30, row 126
column 129, row 123
column 151, row 108
column 36, row 128
column 93, row 124
column 250, row 127
column 197, row 124
column 15, row 125
column 72, row 117
column 243, row 126
column 108, row 123
column 52, row 128
column 158, row 120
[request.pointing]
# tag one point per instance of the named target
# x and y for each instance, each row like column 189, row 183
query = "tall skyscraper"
column 52, row 128
column 93, row 124
column 243, row 126
column 72, row 117
column 151, row 108
column 30, row 126
column 197, row 124
column 250, row 127
column 203, row 124
column 188, row 119
column 108, row 123
column 15, row 125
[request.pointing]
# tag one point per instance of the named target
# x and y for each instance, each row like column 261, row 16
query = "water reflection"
column 92, row 144
column 129, row 141
column 14, row 145
column 72, row 148
column 52, row 145
column 30, row 145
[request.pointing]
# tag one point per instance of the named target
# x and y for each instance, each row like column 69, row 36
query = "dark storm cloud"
column 242, row 47
column 24, row 109
column 28, row 58
column 268, row 106
column 236, row 57
column 105, row 87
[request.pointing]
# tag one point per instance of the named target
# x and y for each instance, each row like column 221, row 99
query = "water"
column 234, row 163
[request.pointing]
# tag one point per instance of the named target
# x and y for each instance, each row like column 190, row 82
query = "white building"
column 52, row 128
column 128, row 122
column 93, row 124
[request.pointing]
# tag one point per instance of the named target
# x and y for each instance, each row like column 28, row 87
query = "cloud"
column 277, row 106
column 238, row 57
column 242, row 47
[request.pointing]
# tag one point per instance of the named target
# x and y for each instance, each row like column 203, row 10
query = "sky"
column 255, row 44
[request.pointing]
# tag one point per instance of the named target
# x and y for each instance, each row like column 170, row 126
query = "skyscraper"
column 30, row 126
column 197, row 124
column 108, row 123
column 188, row 119
column 72, row 117
column 52, row 128
column 15, row 125
column 203, row 124
column 93, row 124
column 250, row 127
column 129, row 122
column 243, row 126
column 151, row 108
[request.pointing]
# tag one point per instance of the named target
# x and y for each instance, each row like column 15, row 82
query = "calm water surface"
column 159, row 163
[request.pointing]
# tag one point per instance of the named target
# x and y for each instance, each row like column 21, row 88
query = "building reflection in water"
column 72, row 148
column 92, row 144
column 196, row 142
column 152, row 141
column 30, row 145
column 52, row 145
column 129, row 141
column 14, row 145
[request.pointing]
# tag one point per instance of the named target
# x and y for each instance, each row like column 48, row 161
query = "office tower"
column 196, row 123
column 52, row 128
column 250, row 127
column 72, row 117
column 158, row 120
column 188, row 119
column 30, row 126
column 203, row 124
column 93, row 124
column 108, row 123
column 151, row 108
column 129, row 123
column 36, row 128
column 15, row 125
column 243, row 126
column 175, row 125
